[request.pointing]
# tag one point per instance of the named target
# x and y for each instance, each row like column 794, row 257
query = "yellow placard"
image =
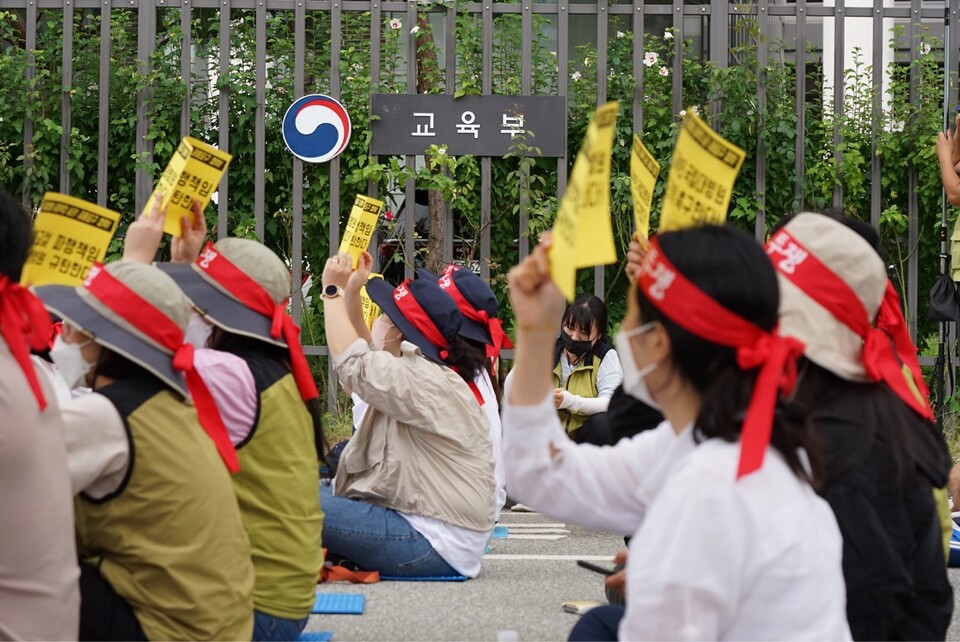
column 644, row 170
column 702, row 173
column 582, row 231
column 360, row 227
column 69, row 235
column 193, row 173
column 370, row 309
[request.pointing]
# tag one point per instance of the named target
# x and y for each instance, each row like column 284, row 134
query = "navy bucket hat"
column 425, row 314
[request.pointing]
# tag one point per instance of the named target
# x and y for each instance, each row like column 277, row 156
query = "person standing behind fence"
column 414, row 490
column 163, row 550
column 39, row 594
column 883, row 455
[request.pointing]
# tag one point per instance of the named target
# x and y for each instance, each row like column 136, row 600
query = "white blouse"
column 711, row 558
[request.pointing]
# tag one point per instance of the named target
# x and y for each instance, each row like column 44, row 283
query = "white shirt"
column 711, row 557
column 609, row 376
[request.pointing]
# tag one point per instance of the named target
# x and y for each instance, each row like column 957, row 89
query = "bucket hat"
column 424, row 313
column 836, row 299
column 139, row 312
column 244, row 288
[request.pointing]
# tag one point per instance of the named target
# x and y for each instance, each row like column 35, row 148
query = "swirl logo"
column 316, row 128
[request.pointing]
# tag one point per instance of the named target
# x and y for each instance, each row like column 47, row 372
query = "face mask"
column 380, row 332
column 634, row 383
column 198, row 331
column 69, row 360
column 576, row 348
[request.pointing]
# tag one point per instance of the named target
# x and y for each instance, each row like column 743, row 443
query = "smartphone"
column 580, row 607
column 596, row 569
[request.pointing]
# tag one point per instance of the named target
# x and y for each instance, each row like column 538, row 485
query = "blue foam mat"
column 499, row 532
column 449, row 578
column 316, row 636
column 339, row 604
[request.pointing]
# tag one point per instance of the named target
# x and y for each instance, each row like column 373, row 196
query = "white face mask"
column 380, row 334
column 69, row 360
column 198, row 331
column 634, row 383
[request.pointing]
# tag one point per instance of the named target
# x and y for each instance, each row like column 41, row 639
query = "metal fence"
column 716, row 16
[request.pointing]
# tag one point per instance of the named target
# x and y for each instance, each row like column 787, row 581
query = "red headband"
column 251, row 294
column 25, row 325
column 498, row 338
column 412, row 311
column 142, row 315
column 691, row 309
column 881, row 358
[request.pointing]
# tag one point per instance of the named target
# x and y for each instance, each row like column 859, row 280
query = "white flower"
column 395, row 23
column 651, row 59
column 683, row 113
column 442, row 151
column 415, row 29
column 553, row 53
column 668, row 35
column 576, row 76
column 620, row 34
column 924, row 48
column 695, row 110
column 664, row 71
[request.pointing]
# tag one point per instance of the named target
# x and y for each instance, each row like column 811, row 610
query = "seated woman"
column 414, row 491
column 163, row 552
column 730, row 541
column 586, row 370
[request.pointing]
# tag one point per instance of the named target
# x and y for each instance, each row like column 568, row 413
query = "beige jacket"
column 423, row 446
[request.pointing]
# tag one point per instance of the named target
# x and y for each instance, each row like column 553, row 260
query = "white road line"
column 530, row 525
column 558, row 558
column 540, row 537
column 538, row 531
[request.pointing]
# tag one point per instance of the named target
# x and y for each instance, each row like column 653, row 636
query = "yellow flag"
column 644, row 170
column 582, row 231
column 370, row 309
column 363, row 220
column 193, row 173
column 702, row 173
column 69, row 235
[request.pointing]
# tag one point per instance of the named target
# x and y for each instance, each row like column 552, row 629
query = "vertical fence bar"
column 30, row 44
column 760, row 223
column 486, row 86
column 638, row 40
column 677, row 56
column 336, row 28
column 103, row 104
column 66, row 116
column 296, row 250
column 913, row 203
column 720, row 32
column 259, row 133
column 603, row 29
column 146, row 45
column 223, row 118
column 376, row 19
column 953, row 43
column 526, row 48
column 875, row 191
column 801, row 103
column 186, row 66
column 838, row 90
column 410, row 205
column 450, row 82
column 563, row 81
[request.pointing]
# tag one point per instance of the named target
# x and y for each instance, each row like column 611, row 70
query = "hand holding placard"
column 644, row 170
column 702, row 173
column 370, row 309
column 582, row 231
column 193, row 174
column 69, row 235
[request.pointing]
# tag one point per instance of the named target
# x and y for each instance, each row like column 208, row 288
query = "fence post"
column 146, row 45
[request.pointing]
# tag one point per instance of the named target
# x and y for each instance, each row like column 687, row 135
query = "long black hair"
column 586, row 312
column 468, row 358
column 241, row 345
column 731, row 268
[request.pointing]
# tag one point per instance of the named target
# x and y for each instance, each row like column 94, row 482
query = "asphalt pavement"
column 518, row 595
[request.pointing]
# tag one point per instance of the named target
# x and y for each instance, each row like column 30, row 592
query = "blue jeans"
column 600, row 623
column 378, row 539
column 269, row 628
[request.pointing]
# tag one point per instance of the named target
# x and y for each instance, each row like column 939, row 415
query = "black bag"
column 944, row 300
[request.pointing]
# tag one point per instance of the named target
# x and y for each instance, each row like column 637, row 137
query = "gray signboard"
column 407, row 124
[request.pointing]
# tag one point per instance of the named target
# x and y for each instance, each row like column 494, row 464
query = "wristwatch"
column 332, row 291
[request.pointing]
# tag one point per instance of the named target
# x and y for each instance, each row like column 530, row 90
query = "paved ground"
column 521, row 589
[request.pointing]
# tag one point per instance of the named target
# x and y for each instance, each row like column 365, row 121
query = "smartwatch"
column 332, row 291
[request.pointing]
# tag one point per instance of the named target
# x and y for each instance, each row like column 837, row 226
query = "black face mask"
column 576, row 348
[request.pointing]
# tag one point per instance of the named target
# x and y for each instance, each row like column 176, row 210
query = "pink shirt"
column 231, row 384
